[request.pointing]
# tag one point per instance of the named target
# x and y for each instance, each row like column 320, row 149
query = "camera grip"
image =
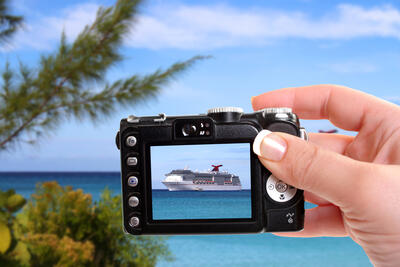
column 284, row 203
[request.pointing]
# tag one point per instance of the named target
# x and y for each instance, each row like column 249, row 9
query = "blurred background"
column 254, row 46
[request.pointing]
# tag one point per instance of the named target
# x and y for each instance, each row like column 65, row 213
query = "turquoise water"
column 213, row 250
column 169, row 205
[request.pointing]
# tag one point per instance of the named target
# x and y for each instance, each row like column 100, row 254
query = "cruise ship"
column 211, row 180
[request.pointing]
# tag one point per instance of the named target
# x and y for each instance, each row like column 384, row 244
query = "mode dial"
column 225, row 114
column 276, row 110
column 224, row 110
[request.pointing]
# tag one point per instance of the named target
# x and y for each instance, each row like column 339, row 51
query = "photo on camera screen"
column 205, row 181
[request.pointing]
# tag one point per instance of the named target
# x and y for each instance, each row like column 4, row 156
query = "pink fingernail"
column 269, row 146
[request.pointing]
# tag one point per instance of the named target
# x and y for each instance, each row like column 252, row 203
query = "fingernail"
column 269, row 145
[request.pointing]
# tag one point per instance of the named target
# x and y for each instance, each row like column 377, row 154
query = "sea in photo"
column 169, row 205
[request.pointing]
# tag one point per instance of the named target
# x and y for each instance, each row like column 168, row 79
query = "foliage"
column 37, row 100
column 8, row 23
column 63, row 227
column 12, row 251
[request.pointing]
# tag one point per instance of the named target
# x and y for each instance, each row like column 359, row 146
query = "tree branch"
column 95, row 51
column 61, row 86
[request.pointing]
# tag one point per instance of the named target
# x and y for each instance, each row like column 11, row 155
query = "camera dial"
column 276, row 110
column 224, row 110
column 225, row 114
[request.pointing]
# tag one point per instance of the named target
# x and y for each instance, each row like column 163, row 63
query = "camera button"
column 131, row 161
column 133, row 201
column 281, row 187
column 133, row 181
column 131, row 141
column 278, row 190
column 134, row 221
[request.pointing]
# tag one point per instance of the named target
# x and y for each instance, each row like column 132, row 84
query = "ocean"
column 210, row 250
column 169, row 205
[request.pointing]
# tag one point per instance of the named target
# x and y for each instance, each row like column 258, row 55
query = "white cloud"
column 203, row 27
column 45, row 32
column 214, row 26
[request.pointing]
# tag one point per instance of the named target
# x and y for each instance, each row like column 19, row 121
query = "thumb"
column 304, row 165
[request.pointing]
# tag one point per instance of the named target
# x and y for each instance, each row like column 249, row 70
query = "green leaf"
column 3, row 199
column 5, row 240
column 9, row 23
column 21, row 253
column 15, row 202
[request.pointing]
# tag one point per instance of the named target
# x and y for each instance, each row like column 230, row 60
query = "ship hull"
column 179, row 186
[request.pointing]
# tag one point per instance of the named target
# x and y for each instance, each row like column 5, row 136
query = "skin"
column 355, row 181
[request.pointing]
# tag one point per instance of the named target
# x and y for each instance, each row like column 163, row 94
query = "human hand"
column 355, row 181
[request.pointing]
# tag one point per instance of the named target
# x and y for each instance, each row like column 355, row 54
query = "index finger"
column 344, row 107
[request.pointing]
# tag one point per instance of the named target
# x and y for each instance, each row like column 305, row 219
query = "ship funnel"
column 216, row 168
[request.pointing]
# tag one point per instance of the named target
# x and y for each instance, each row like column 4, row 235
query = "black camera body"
column 245, row 199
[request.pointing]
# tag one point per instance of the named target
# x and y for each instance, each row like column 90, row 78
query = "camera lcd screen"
column 205, row 181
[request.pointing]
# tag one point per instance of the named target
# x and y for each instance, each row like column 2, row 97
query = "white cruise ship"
column 211, row 180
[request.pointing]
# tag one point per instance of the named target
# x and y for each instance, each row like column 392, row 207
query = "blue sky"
column 256, row 47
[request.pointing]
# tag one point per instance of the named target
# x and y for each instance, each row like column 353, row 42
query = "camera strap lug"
column 303, row 134
column 162, row 118
column 133, row 119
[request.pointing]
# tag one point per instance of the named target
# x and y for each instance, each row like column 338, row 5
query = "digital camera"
column 197, row 174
